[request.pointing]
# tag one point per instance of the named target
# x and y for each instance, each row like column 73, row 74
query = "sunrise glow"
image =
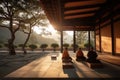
column 48, row 29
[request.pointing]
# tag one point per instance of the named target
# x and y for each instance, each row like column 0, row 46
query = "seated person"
column 80, row 55
column 92, row 55
column 65, row 56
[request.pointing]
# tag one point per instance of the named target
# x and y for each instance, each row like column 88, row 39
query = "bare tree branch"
column 24, row 31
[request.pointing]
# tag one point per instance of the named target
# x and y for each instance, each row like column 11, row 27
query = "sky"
column 50, row 32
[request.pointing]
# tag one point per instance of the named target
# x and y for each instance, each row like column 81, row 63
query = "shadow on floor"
column 110, row 70
column 9, row 63
column 71, row 73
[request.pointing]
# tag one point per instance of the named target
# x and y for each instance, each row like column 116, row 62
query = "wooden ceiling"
column 73, row 14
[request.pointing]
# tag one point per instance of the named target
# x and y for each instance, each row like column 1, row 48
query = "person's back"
column 65, row 53
column 65, row 56
column 80, row 55
column 92, row 55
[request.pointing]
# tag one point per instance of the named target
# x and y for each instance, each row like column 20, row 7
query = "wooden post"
column 61, row 41
column 112, row 34
column 95, row 39
column 60, row 21
column 74, row 43
column 89, row 40
column 99, row 36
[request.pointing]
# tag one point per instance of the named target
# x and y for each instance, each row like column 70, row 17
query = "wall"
column 106, row 39
column 105, row 21
column 117, row 36
column 97, row 43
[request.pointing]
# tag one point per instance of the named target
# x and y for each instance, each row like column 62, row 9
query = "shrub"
column 76, row 46
column 87, row 45
column 66, row 45
column 33, row 46
column 15, row 46
column 54, row 46
column 43, row 46
column 20, row 45
column 6, row 45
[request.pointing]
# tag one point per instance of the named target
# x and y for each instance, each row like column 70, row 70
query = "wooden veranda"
column 100, row 16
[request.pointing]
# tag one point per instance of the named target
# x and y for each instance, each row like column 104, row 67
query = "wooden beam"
column 80, row 23
column 65, row 1
column 74, row 22
column 84, row 7
column 86, row 29
column 106, row 7
column 87, row 12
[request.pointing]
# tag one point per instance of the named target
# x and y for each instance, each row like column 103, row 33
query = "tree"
column 66, row 45
column 9, row 12
column 33, row 46
column 54, row 46
column 81, row 37
column 43, row 46
column 76, row 46
column 92, row 42
column 12, row 11
column 34, row 16
column 21, row 45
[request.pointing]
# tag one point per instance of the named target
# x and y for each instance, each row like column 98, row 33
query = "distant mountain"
column 20, row 38
column 4, row 35
column 34, row 39
column 38, row 39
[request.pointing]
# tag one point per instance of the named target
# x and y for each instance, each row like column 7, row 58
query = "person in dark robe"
column 65, row 56
column 80, row 56
column 92, row 56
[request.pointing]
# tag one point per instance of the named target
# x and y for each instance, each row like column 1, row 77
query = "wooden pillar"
column 60, row 21
column 112, row 34
column 61, row 41
column 99, row 36
column 95, row 39
column 74, row 42
column 89, row 40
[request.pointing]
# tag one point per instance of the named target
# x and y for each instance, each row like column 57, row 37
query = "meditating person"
column 65, row 56
column 80, row 55
column 92, row 56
